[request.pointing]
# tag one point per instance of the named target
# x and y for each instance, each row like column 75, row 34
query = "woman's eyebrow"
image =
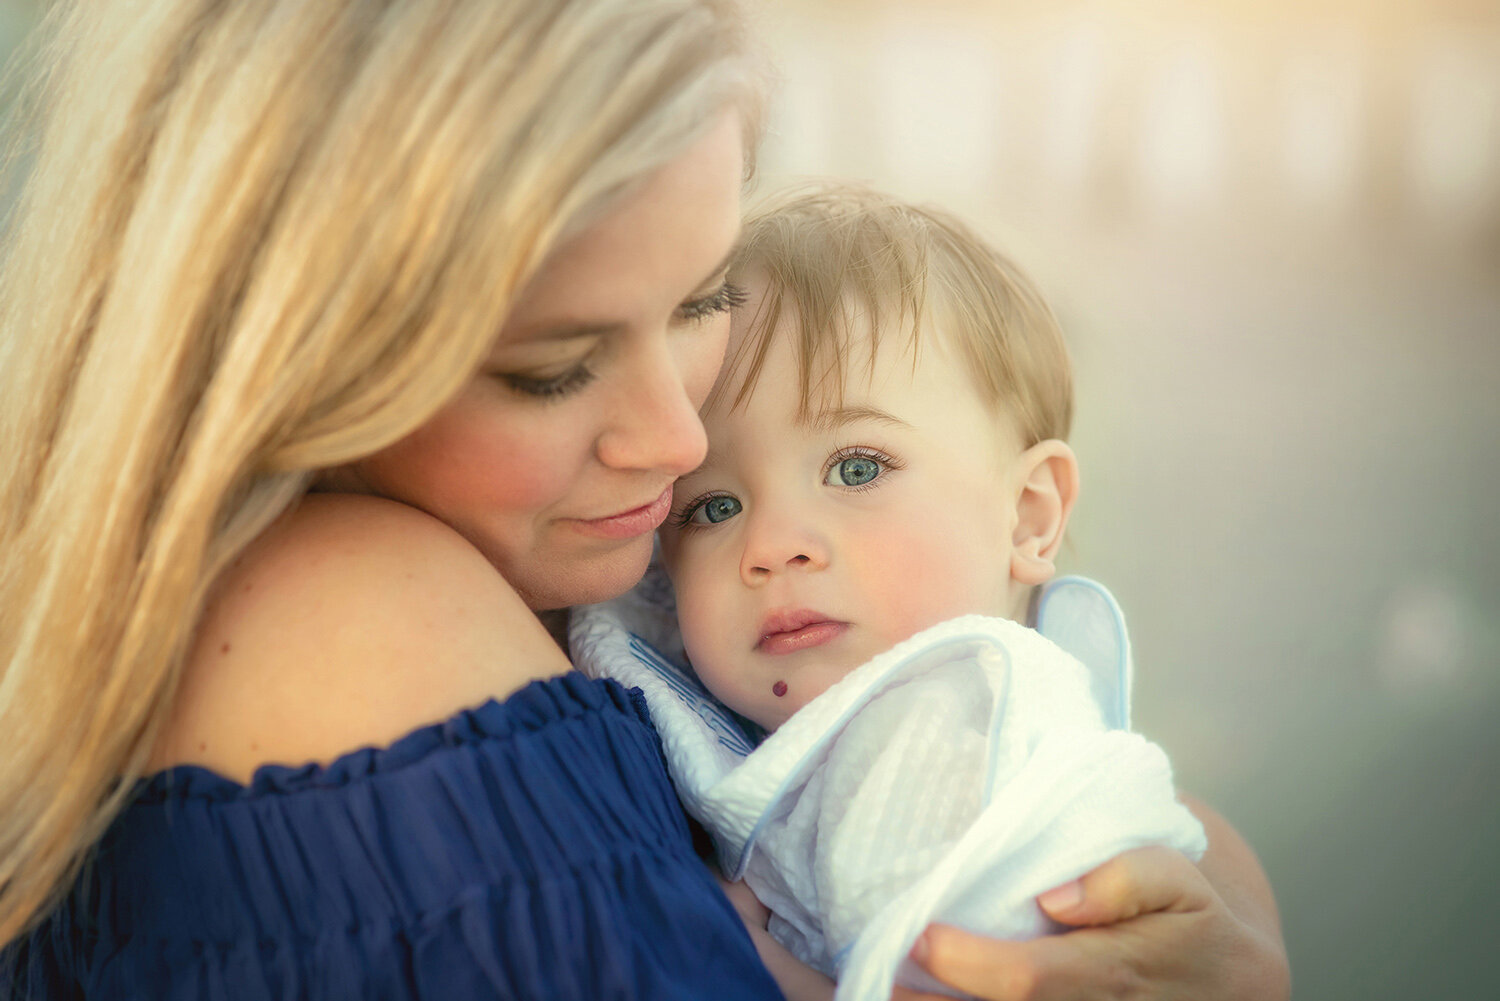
column 833, row 418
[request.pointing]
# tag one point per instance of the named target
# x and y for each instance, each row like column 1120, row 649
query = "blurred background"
column 1272, row 232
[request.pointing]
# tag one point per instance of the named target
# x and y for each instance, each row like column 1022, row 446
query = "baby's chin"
column 770, row 717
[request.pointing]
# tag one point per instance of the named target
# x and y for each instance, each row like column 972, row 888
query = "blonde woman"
column 339, row 339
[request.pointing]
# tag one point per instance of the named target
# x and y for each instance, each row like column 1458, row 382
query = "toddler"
column 886, row 489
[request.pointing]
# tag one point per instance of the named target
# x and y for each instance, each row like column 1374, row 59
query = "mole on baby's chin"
column 778, row 689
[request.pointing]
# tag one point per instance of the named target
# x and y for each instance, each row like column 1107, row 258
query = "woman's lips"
column 629, row 524
column 788, row 632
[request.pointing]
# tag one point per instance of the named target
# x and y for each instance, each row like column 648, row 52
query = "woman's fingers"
column 1132, row 916
column 1139, row 882
column 1146, row 925
column 1054, row 967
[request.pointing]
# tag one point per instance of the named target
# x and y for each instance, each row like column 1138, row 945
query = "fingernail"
column 1062, row 898
column 920, row 950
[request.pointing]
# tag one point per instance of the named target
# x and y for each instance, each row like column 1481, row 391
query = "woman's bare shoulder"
column 351, row 622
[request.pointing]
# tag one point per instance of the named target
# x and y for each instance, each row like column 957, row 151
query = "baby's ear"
column 1048, row 476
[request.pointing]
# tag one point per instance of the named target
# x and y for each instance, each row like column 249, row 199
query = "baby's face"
column 801, row 550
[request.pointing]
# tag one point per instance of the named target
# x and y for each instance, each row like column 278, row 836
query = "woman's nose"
column 654, row 425
column 778, row 543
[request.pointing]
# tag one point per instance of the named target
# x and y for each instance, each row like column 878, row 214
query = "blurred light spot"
column 1077, row 79
column 1422, row 638
column 801, row 123
column 1455, row 142
column 937, row 105
column 1182, row 141
column 1323, row 99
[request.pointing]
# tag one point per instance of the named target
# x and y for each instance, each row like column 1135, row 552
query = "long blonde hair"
column 258, row 239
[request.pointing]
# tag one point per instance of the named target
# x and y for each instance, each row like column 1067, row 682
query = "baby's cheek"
column 705, row 625
column 694, row 589
column 696, row 640
column 928, row 579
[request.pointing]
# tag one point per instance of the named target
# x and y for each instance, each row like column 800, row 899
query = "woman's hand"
column 1146, row 925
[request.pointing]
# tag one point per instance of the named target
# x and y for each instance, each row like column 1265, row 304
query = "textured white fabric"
column 953, row 777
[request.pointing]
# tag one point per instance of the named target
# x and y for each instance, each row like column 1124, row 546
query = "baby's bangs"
column 840, row 280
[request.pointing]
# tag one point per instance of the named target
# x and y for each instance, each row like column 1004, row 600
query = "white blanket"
column 952, row 778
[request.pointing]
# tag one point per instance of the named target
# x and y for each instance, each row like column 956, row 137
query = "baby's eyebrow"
column 833, row 418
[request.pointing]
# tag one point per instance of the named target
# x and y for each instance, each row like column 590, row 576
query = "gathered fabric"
column 531, row 848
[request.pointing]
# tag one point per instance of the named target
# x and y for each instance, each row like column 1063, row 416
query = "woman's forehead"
column 660, row 242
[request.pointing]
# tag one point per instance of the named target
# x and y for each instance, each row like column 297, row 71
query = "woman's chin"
column 587, row 580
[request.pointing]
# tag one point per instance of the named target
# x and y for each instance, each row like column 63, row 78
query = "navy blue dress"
column 526, row 849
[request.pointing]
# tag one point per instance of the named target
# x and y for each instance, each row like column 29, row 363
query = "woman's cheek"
column 706, row 357
column 522, row 472
column 465, row 464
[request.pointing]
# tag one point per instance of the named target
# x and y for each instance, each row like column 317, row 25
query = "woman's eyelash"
column 728, row 296
column 569, row 382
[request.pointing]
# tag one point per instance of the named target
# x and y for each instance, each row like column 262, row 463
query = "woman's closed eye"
column 549, row 387
column 726, row 297
column 551, row 374
column 708, row 509
column 858, row 468
column 554, row 387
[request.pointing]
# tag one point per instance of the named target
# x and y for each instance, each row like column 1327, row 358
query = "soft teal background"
column 1273, row 235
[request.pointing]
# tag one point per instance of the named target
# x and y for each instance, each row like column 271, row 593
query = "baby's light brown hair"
column 844, row 259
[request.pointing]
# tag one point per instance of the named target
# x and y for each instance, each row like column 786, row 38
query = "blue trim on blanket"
column 690, row 691
column 1117, row 715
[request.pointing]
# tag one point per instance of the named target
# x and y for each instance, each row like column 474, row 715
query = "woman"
column 340, row 340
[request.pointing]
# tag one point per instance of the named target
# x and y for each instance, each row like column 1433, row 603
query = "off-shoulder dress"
column 531, row 848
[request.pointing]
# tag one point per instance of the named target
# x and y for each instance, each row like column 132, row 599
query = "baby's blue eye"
column 716, row 509
column 853, row 472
